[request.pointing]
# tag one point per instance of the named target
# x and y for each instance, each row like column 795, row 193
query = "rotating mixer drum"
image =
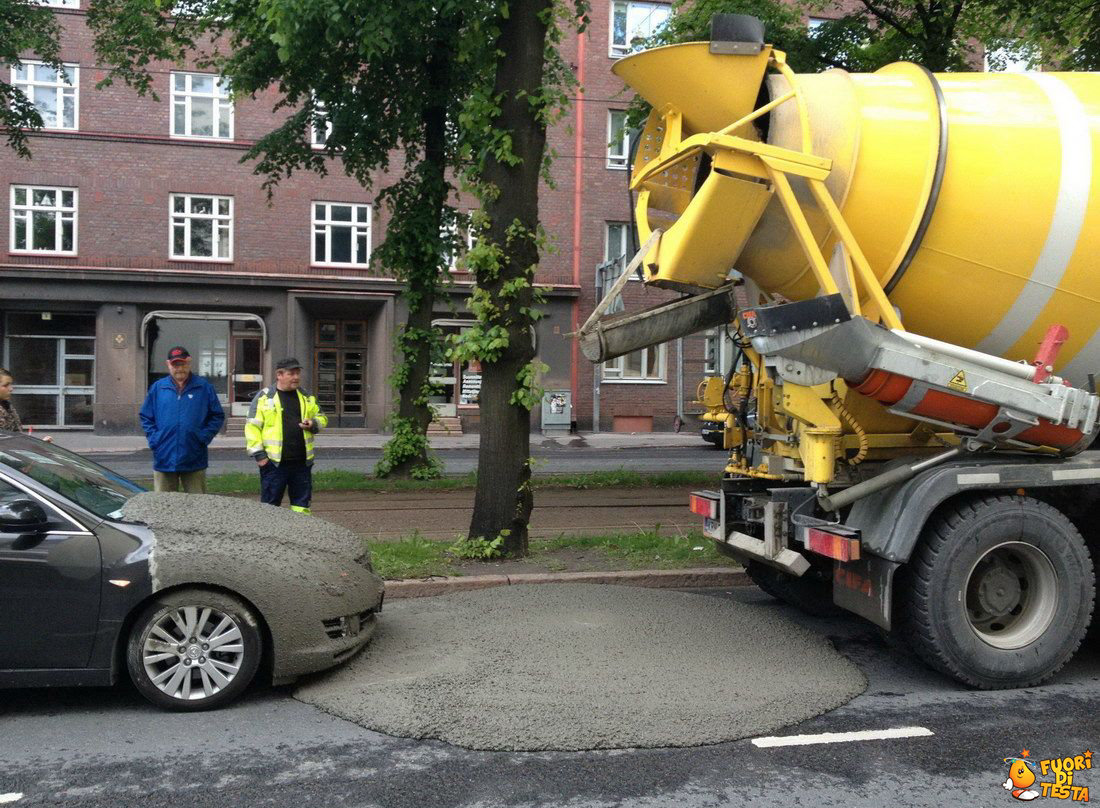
column 970, row 194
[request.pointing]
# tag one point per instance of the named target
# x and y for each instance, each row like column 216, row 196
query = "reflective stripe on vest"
column 266, row 417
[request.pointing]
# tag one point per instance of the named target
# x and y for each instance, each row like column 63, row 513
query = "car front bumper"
column 332, row 641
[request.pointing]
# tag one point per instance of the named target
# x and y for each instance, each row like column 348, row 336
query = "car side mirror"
column 23, row 516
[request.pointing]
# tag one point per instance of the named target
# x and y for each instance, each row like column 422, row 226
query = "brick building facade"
column 135, row 227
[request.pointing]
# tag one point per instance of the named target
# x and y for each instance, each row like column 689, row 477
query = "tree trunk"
column 417, row 227
column 503, row 502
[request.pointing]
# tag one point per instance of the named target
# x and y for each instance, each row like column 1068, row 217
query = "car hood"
column 241, row 528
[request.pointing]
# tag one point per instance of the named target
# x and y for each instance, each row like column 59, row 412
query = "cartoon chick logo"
column 1021, row 782
column 1020, row 778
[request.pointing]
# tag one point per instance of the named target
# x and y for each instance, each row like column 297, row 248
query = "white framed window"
column 618, row 140
column 321, row 128
column 633, row 21
column 616, row 241
column 341, row 234
column 462, row 232
column 54, row 93
column 711, row 350
column 202, row 227
column 60, row 3
column 617, row 246
column 201, row 106
column 43, row 220
column 719, row 352
column 646, row 365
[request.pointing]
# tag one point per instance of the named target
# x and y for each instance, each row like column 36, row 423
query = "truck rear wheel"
column 999, row 593
column 811, row 593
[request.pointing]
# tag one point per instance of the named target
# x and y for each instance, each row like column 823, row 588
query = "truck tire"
column 999, row 593
column 811, row 593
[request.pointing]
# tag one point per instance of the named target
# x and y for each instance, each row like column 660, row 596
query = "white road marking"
column 12, row 797
column 842, row 737
column 1069, row 215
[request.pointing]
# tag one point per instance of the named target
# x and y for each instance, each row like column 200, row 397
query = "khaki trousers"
column 192, row 482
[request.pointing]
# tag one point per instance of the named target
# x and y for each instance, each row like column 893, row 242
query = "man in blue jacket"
column 180, row 416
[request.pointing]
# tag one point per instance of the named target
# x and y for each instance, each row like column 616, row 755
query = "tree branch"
column 889, row 18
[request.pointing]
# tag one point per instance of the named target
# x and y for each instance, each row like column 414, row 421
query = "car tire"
column 999, row 593
column 811, row 593
column 204, row 671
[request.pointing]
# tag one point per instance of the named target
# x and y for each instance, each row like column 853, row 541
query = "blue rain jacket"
column 179, row 426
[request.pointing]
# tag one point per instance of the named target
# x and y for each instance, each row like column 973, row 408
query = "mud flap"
column 864, row 588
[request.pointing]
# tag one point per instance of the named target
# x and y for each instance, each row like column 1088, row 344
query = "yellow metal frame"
column 822, row 421
column 773, row 164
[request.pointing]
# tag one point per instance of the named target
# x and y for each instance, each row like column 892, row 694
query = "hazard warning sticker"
column 958, row 382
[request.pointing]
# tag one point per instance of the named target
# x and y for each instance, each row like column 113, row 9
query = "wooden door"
column 340, row 371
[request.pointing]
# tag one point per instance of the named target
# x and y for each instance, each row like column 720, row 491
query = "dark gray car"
column 192, row 594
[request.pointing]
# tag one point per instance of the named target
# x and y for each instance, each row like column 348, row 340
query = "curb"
column 658, row 579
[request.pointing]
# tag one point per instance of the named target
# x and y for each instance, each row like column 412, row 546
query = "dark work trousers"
column 275, row 480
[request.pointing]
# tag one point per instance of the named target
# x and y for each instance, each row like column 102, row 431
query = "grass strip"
column 417, row 557
column 239, row 482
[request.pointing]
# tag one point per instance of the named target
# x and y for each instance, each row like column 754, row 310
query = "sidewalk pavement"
column 88, row 442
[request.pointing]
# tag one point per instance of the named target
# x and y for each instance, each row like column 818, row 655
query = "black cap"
column 178, row 353
column 288, row 364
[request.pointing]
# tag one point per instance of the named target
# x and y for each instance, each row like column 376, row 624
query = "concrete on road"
column 107, row 748
column 567, row 666
column 558, row 512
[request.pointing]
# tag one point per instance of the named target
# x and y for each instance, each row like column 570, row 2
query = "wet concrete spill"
column 575, row 667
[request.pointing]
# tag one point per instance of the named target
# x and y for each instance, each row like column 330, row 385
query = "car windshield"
column 88, row 484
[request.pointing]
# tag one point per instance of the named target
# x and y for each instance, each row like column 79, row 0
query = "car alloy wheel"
column 193, row 652
column 194, row 649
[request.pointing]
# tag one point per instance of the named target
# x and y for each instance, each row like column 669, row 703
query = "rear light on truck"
column 704, row 505
column 832, row 545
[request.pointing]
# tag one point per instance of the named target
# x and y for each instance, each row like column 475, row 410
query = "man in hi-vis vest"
column 279, row 436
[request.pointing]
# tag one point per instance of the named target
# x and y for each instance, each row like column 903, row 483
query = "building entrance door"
column 248, row 375
column 52, row 356
column 340, row 371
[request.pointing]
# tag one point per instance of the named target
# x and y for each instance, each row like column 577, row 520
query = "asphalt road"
column 107, row 749
column 559, row 460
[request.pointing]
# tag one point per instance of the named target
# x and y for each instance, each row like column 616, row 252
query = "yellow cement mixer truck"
column 911, row 263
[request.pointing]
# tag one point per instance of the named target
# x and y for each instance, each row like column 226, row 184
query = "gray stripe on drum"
column 1065, row 224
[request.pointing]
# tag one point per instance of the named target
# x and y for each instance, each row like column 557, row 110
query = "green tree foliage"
column 1061, row 33
column 942, row 35
column 783, row 26
column 25, row 28
column 465, row 85
column 389, row 78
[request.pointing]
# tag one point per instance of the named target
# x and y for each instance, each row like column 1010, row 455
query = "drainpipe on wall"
column 597, row 368
column 578, row 184
column 680, row 380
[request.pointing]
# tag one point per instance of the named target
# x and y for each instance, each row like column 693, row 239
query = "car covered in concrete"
column 191, row 594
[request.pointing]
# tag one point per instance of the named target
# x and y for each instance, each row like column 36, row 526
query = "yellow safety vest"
column 263, row 432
